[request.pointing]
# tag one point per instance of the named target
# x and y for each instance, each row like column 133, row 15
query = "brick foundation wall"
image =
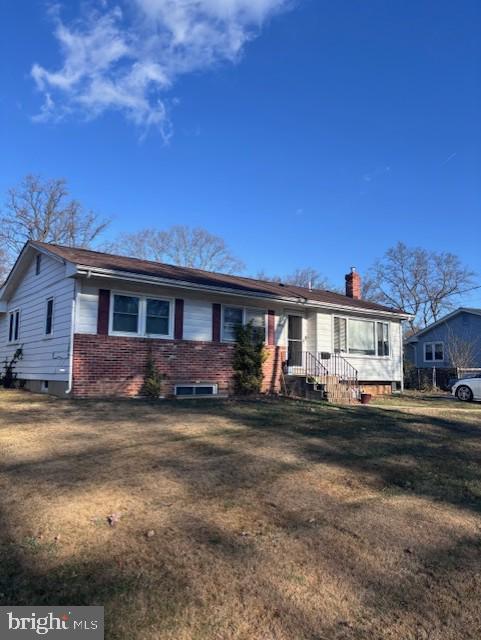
column 377, row 388
column 115, row 366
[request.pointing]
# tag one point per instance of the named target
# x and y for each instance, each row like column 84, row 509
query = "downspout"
column 72, row 332
column 402, row 356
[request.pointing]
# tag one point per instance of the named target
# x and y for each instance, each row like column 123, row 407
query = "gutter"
column 82, row 270
column 72, row 333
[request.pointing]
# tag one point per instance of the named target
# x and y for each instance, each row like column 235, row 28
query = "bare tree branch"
column 304, row 277
column 423, row 283
column 462, row 350
column 179, row 245
column 40, row 210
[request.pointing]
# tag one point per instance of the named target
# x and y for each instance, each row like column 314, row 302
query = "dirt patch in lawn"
column 267, row 520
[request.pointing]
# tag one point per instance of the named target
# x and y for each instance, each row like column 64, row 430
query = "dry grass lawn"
column 267, row 520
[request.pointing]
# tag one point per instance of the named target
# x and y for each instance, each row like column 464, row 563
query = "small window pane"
column 157, row 321
column 126, row 314
column 428, row 351
column 382, row 339
column 38, row 263
column 157, row 308
column 17, row 324
column 340, row 340
column 184, row 391
column 158, row 326
column 49, row 318
column 361, row 338
column 233, row 318
column 438, row 351
column 204, row 391
column 10, row 330
column 126, row 304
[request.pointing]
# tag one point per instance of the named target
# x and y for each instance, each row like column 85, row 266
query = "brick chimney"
column 353, row 284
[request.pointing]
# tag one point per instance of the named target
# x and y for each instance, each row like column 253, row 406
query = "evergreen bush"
column 249, row 356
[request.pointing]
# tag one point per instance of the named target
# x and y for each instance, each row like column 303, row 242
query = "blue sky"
column 305, row 133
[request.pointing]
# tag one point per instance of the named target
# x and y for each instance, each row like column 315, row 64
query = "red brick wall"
column 115, row 366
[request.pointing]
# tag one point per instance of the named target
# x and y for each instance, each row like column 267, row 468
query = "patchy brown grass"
column 271, row 520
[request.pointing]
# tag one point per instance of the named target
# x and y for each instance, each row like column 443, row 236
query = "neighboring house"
column 88, row 321
column 453, row 342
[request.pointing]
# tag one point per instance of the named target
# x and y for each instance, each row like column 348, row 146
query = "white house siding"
column 369, row 368
column 318, row 325
column 324, row 332
column 197, row 307
column 86, row 309
column 44, row 357
column 197, row 320
column 311, row 332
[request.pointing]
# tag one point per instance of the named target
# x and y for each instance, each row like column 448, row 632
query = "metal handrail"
column 314, row 367
column 337, row 365
column 330, row 371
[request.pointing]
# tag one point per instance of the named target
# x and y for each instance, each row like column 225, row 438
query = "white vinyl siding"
column 87, row 309
column 198, row 320
column 43, row 359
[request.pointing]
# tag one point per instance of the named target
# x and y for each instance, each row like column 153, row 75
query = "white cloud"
column 126, row 56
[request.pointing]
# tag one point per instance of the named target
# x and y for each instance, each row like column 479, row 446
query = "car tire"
column 464, row 393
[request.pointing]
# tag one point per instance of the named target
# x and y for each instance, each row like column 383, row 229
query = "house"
column 88, row 321
column 453, row 342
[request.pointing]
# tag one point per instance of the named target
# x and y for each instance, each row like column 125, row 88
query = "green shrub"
column 9, row 375
column 249, row 356
column 153, row 380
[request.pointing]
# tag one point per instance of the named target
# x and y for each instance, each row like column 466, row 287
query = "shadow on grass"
column 413, row 455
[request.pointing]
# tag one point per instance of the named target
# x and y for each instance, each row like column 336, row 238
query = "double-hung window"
column 14, row 325
column 382, row 338
column 141, row 316
column 433, row 351
column 234, row 317
column 158, row 314
column 49, row 318
column 125, row 317
column 361, row 337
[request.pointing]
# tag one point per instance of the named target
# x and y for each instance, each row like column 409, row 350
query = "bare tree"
column 4, row 264
column 421, row 282
column 41, row 210
column 462, row 350
column 179, row 245
column 305, row 277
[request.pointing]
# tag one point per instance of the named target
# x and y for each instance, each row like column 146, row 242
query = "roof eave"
column 88, row 271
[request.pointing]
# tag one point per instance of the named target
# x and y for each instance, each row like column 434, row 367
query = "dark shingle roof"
column 100, row 260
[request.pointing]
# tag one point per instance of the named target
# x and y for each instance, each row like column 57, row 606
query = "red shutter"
column 179, row 319
column 271, row 327
column 216, row 322
column 103, row 312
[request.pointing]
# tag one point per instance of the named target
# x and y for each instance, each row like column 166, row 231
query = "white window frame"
column 45, row 334
column 215, row 389
column 244, row 322
column 374, row 321
column 13, row 313
column 432, row 344
column 38, row 264
column 142, row 318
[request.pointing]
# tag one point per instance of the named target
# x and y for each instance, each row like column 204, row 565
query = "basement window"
column 195, row 390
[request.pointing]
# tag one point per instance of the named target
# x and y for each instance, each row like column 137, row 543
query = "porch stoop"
column 324, row 376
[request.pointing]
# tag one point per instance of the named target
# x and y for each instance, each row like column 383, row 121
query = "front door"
column 294, row 342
